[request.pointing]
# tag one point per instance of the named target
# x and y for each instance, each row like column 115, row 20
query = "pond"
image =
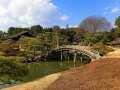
column 38, row 70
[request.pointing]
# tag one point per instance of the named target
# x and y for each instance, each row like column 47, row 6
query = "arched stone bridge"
column 93, row 54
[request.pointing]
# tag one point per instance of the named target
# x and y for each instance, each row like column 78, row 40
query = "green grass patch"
column 15, row 58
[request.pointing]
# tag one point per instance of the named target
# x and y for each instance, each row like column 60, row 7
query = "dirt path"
column 38, row 84
column 115, row 54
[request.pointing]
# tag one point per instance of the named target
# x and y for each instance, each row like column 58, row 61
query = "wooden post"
column 75, row 55
column 61, row 55
column 81, row 59
column 68, row 56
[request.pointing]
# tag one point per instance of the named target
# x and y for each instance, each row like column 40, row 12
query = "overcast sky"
column 25, row 13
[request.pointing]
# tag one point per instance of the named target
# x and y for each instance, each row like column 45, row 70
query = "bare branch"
column 95, row 23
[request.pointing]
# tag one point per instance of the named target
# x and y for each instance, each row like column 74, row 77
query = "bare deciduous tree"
column 95, row 23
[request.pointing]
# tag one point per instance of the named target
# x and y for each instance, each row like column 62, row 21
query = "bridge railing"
column 94, row 51
column 84, row 49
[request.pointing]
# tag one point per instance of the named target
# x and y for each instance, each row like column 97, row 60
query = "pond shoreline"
column 37, row 84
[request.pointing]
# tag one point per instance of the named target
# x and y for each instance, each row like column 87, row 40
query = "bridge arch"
column 77, row 49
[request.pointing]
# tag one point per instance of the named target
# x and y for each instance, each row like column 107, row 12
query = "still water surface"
column 38, row 70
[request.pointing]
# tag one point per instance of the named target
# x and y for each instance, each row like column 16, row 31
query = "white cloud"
column 28, row 12
column 64, row 17
column 73, row 26
column 115, row 10
column 70, row 26
column 105, row 12
column 111, row 10
column 107, row 8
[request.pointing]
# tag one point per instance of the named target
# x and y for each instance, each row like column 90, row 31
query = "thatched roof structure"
column 114, row 43
column 19, row 35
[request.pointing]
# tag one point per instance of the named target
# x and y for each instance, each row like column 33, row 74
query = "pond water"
column 38, row 70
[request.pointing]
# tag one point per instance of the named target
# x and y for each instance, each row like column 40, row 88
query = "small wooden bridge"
column 88, row 51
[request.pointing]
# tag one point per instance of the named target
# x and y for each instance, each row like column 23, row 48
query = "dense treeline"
column 92, row 30
column 50, row 37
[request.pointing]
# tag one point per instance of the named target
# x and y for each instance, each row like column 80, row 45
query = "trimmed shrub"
column 12, row 69
column 103, row 49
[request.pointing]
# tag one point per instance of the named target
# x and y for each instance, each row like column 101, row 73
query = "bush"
column 12, row 69
column 7, row 46
column 103, row 49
